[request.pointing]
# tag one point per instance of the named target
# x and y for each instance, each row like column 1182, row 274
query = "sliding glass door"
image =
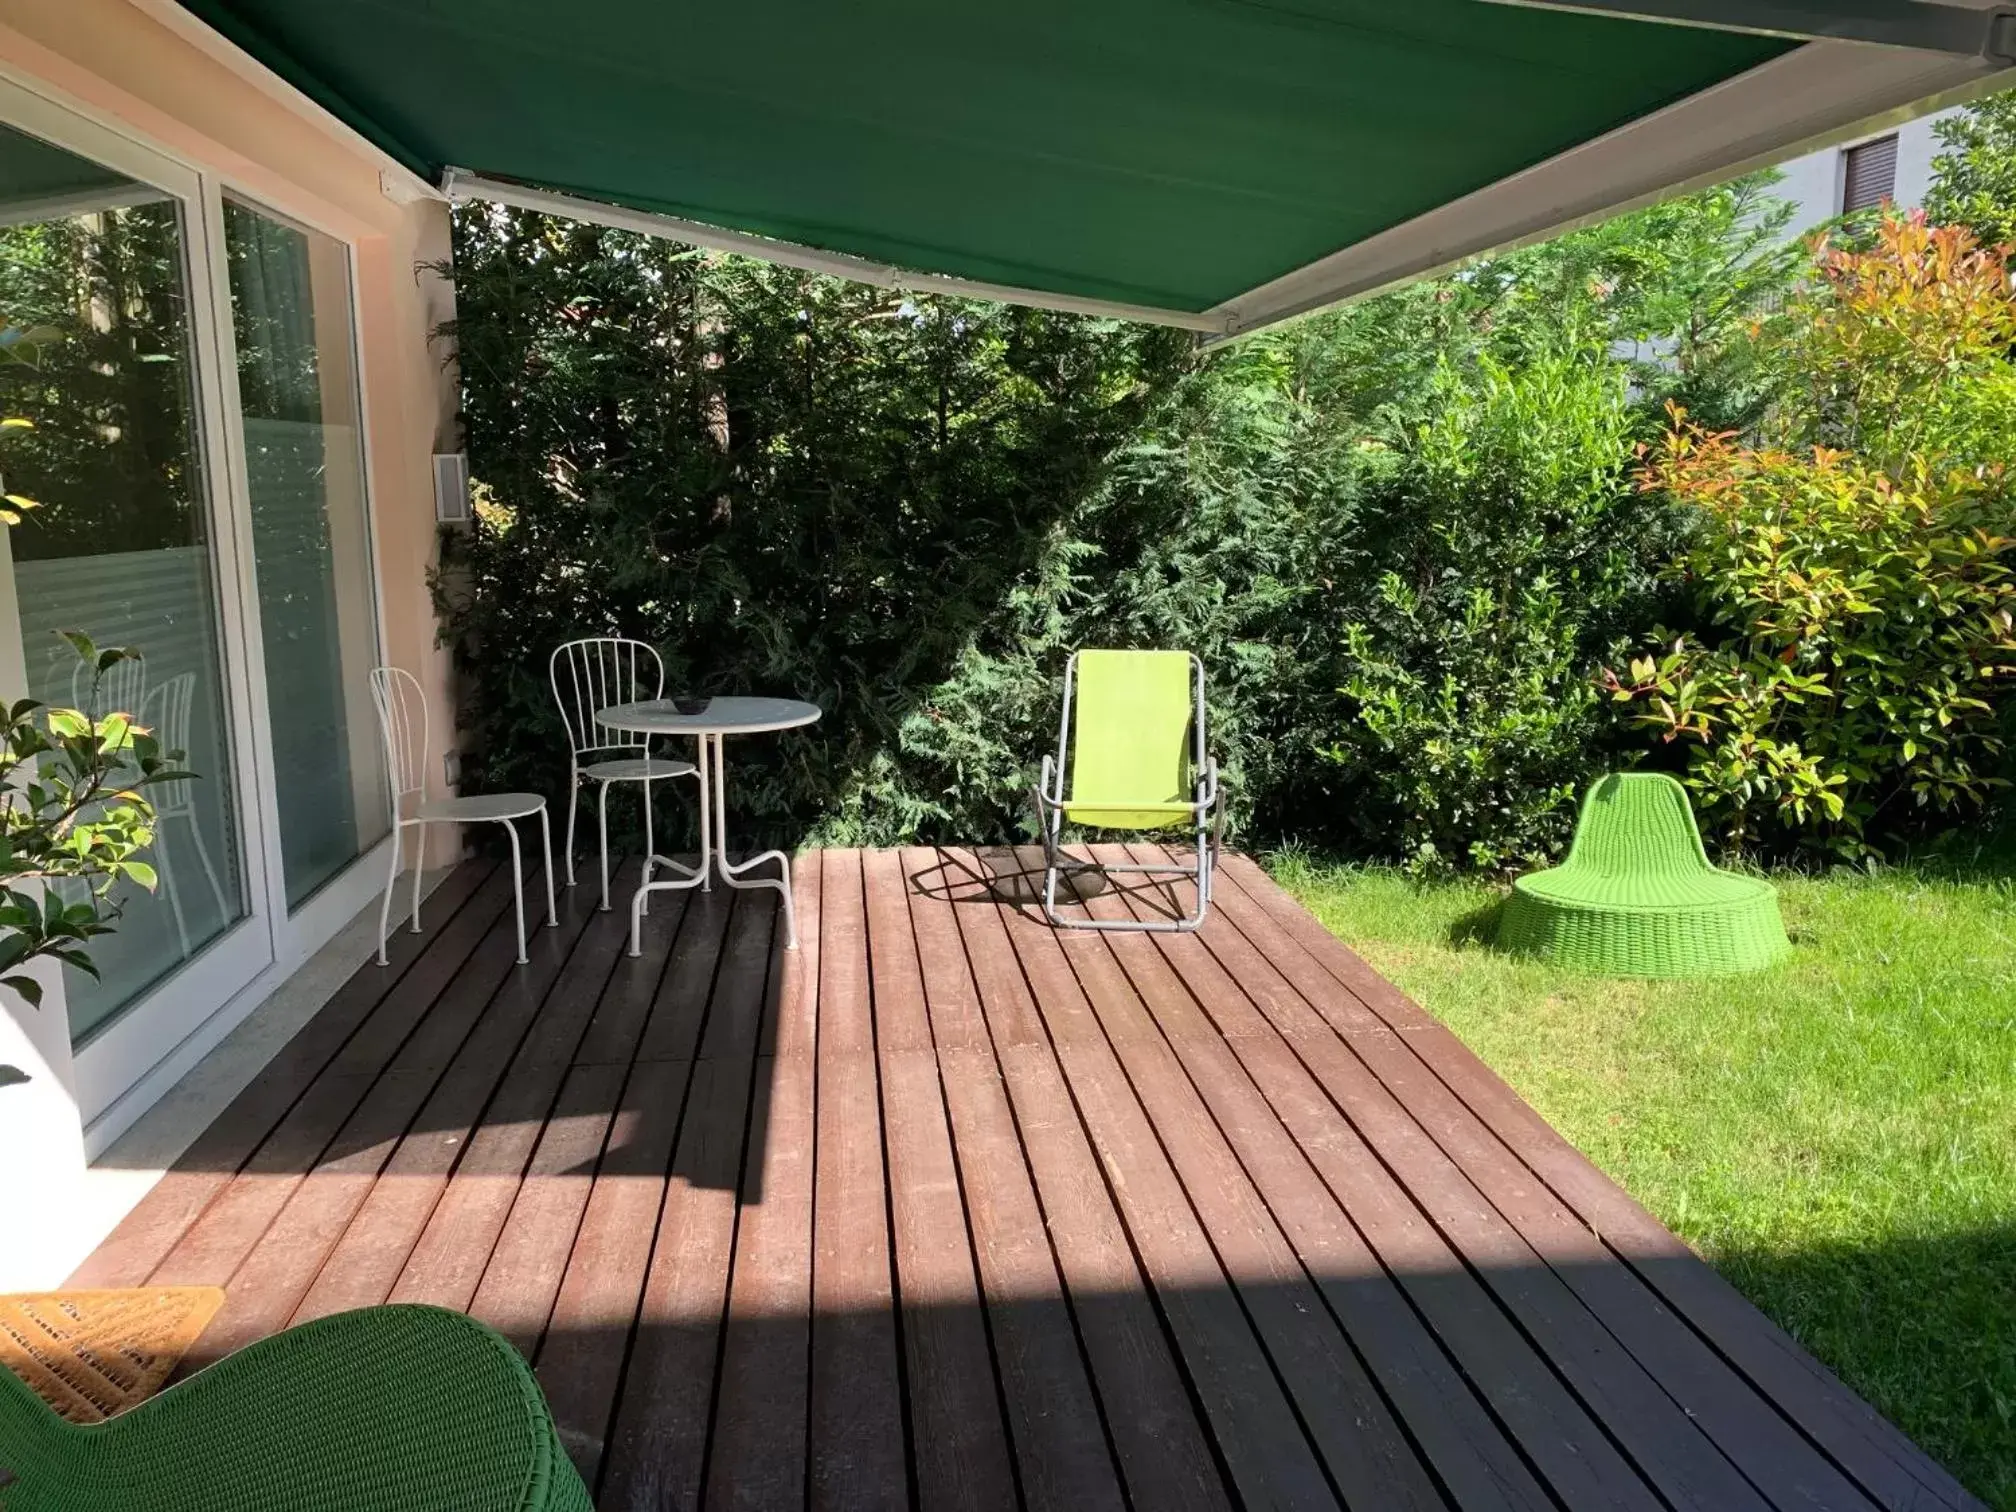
column 102, row 367
column 304, row 472
column 185, row 365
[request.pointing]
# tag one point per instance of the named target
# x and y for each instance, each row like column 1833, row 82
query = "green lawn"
column 1838, row 1134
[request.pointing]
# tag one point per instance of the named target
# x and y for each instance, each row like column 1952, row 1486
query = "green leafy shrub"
column 1506, row 552
column 1899, row 352
column 1861, row 622
column 1854, row 574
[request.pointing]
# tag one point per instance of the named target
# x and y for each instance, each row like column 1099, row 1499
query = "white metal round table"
column 710, row 727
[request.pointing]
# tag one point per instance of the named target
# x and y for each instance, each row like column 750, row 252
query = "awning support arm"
column 1959, row 30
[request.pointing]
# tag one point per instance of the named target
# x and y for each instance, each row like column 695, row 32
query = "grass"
column 1837, row 1134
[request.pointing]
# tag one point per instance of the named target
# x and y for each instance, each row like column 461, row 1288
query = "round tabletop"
column 731, row 715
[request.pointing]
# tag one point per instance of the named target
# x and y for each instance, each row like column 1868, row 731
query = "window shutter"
column 1870, row 175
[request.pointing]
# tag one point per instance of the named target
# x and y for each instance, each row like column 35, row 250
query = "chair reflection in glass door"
column 167, row 710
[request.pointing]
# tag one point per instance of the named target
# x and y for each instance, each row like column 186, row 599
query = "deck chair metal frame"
column 1205, row 814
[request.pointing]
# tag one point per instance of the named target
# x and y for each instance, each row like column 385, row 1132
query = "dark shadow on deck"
column 1240, row 1393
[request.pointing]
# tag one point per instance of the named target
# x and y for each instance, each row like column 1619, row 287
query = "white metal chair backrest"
column 403, row 720
column 595, row 673
column 122, row 690
column 167, row 712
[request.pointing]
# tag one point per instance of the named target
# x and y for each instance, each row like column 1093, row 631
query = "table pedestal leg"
column 731, row 873
column 713, row 854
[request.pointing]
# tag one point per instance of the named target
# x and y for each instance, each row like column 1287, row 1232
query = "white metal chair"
column 588, row 676
column 403, row 719
column 165, row 708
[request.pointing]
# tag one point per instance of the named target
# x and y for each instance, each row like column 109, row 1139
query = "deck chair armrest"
column 1047, row 788
column 1209, row 794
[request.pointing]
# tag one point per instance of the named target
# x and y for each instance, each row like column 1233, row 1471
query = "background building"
column 1895, row 165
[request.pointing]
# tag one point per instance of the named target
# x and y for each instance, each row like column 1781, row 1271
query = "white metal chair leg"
column 174, row 891
column 602, row 829
column 518, row 887
column 650, row 829
column 391, row 882
column 710, row 801
column 546, row 841
column 419, row 865
column 573, row 808
column 209, row 868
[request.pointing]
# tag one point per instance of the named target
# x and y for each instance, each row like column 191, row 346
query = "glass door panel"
column 119, row 545
column 298, row 398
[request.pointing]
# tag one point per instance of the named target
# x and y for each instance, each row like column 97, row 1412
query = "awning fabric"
column 1172, row 154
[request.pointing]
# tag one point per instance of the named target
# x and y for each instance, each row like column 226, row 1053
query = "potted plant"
column 73, row 809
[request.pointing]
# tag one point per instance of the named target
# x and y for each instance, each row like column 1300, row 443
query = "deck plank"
column 1758, row 1458
column 756, row 1452
column 961, row 1460
column 446, row 1262
column 516, row 1292
column 143, row 1238
column 211, row 1247
column 1665, row 1444
column 1347, row 1419
column 858, row 1441
column 650, row 1269
column 947, row 1208
column 364, row 1264
column 1540, row 1415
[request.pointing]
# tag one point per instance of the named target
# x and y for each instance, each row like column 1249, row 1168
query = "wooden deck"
column 950, row 1210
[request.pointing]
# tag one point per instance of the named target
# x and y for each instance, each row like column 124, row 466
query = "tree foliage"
column 1400, row 535
column 1974, row 174
column 788, row 484
column 110, row 286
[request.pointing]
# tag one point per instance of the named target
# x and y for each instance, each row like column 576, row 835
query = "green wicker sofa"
column 389, row 1409
column 1638, row 896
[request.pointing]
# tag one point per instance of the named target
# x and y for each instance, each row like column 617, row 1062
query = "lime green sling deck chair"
column 1638, row 895
column 387, row 1409
column 1131, row 745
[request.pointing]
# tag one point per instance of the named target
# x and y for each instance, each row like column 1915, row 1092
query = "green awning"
column 1170, row 155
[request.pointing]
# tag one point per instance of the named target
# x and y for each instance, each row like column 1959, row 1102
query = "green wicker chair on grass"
column 390, row 1409
column 1131, row 755
column 1638, row 896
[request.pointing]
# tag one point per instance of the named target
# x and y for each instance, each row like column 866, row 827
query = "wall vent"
column 451, row 488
